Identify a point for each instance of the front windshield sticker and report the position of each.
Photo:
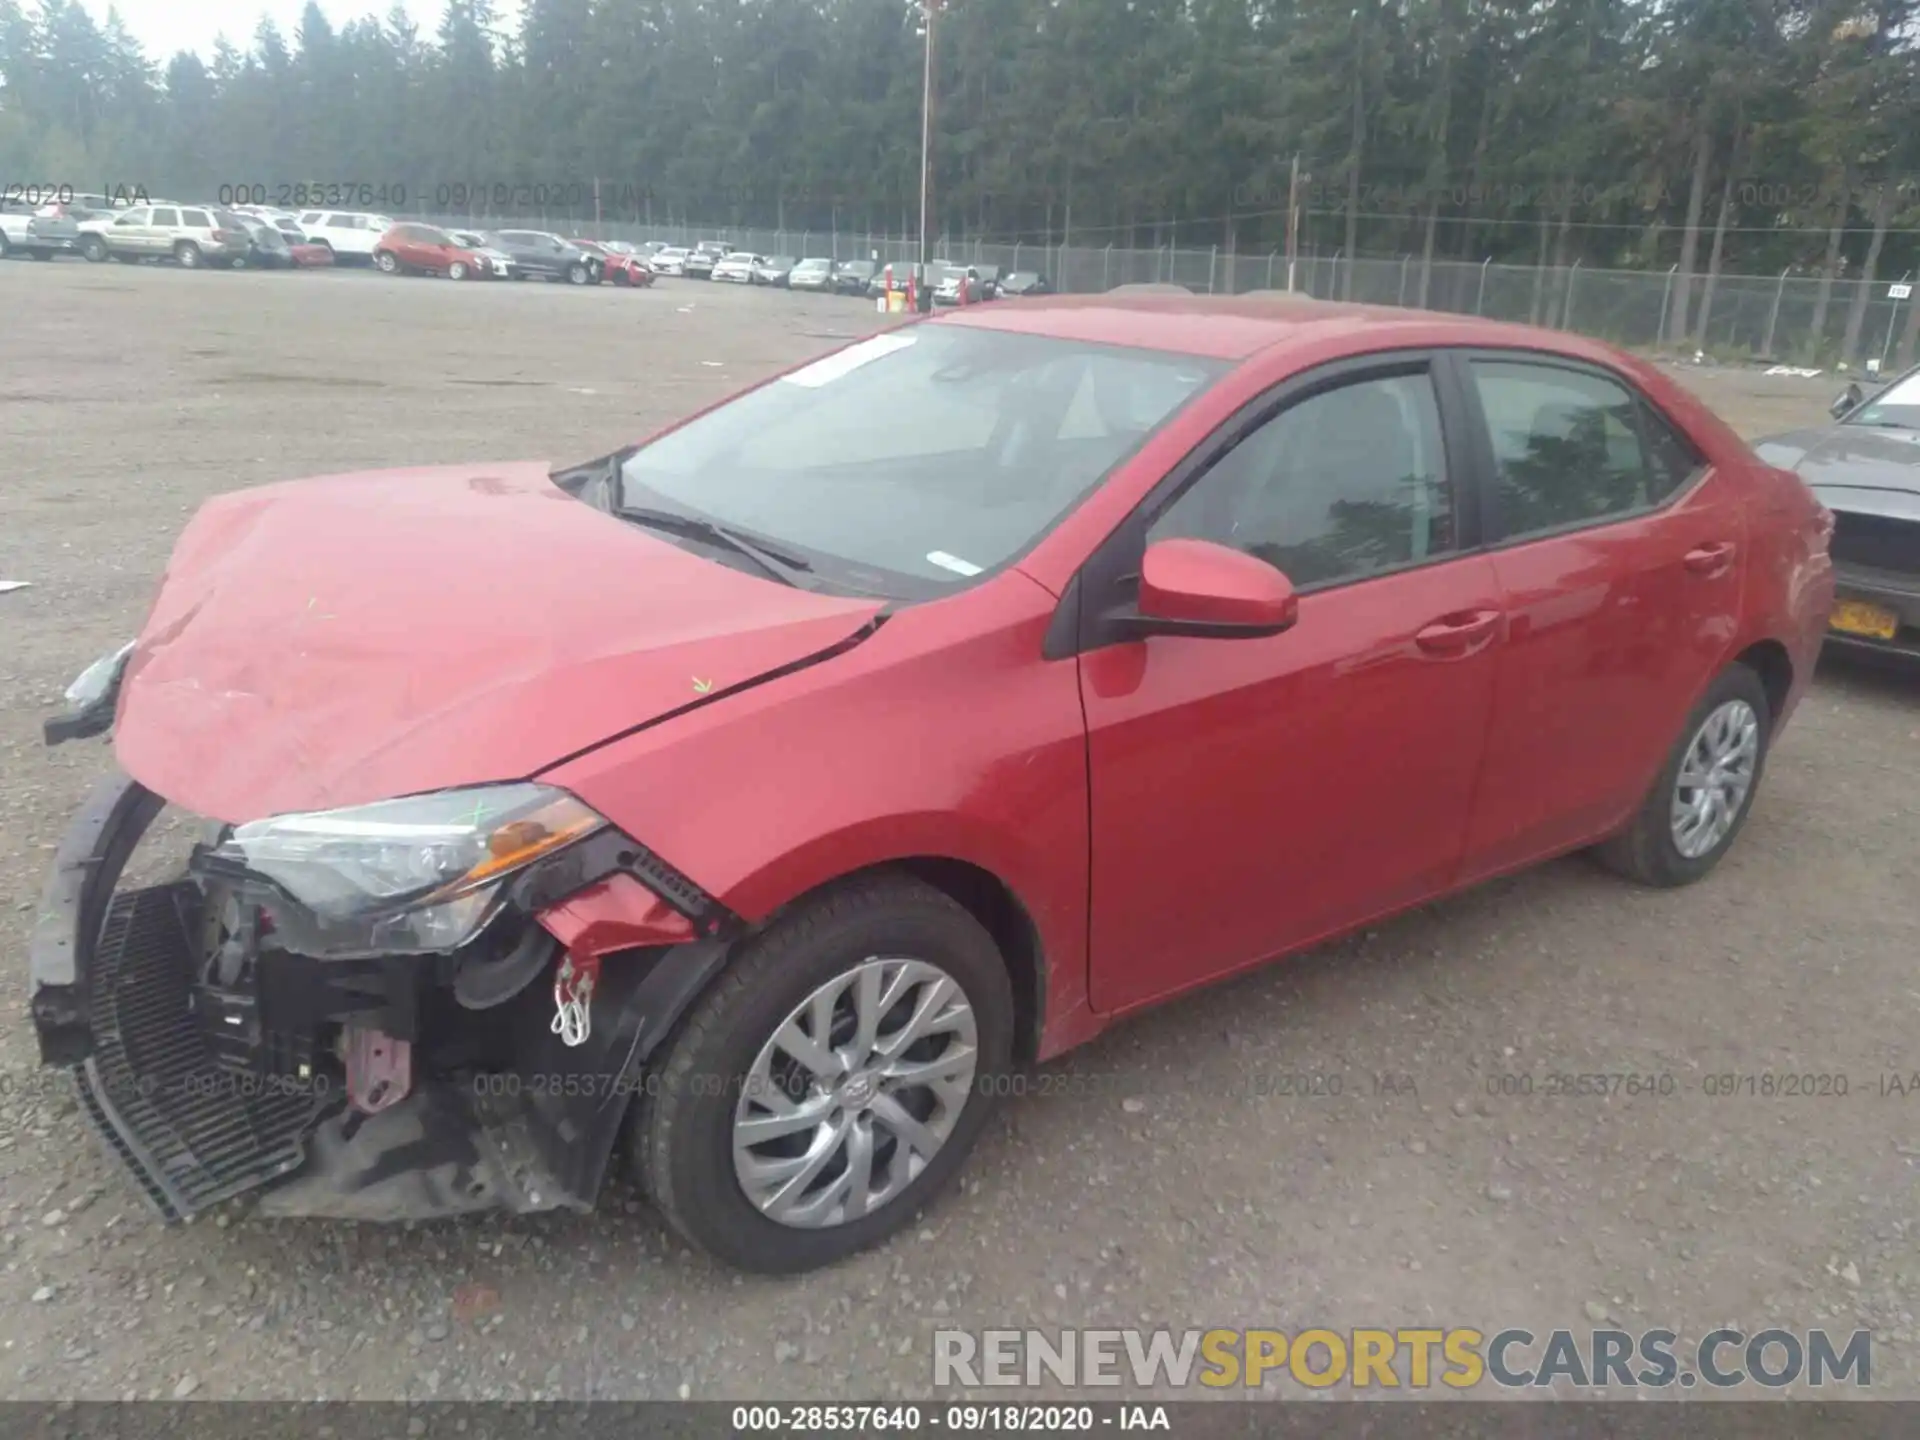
(952, 562)
(844, 362)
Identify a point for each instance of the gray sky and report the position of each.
(164, 26)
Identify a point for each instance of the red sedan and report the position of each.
(751, 804)
(415, 249)
(621, 265)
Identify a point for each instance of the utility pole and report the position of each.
(924, 294)
(1293, 220)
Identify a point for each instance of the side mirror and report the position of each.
(1198, 588)
(1849, 400)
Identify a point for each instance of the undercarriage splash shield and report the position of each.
(191, 1131)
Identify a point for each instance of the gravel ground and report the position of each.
(1161, 1177)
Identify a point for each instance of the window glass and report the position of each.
(921, 457)
(1341, 485)
(135, 217)
(1672, 459)
(1566, 446)
(196, 218)
(166, 217)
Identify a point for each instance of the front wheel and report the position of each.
(458, 270)
(577, 275)
(1704, 792)
(388, 262)
(831, 1081)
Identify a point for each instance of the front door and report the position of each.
(1252, 795)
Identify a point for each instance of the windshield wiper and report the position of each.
(780, 564)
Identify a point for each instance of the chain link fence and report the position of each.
(1778, 318)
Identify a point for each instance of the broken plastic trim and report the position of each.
(94, 696)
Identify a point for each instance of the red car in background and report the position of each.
(415, 249)
(620, 263)
(807, 781)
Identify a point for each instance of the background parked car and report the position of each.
(350, 234)
(25, 232)
(813, 273)
(415, 249)
(774, 270)
(1023, 282)
(738, 267)
(547, 256)
(903, 271)
(984, 284)
(703, 257)
(625, 265)
(267, 248)
(850, 277)
(670, 260)
(193, 235)
(498, 264)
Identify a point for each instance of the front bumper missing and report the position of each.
(115, 1000)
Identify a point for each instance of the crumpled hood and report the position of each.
(335, 641)
(1855, 468)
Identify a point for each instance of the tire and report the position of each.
(239, 262)
(388, 262)
(189, 255)
(457, 270)
(93, 248)
(1649, 849)
(577, 275)
(6, 246)
(682, 1140)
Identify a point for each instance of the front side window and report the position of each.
(912, 461)
(135, 217)
(1347, 483)
(1567, 447)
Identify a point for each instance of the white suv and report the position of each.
(350, 234)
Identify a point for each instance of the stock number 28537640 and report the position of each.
(300, 194)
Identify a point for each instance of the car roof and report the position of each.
(1235, 327)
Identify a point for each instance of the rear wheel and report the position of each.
(1704, 792)
(831, 1081)
(189, 255)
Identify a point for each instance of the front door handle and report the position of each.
(1458, 634)
(1710, 559)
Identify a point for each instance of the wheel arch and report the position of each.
(991, 901)
(1773, 663)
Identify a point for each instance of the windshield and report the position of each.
(1896, 407)
(814, 266)
(910, 462)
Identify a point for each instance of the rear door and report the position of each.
(1251, 795)
(1620, 554)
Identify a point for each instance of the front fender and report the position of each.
(945, 735)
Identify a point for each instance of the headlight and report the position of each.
(419, 875)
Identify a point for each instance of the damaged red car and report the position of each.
(748, 807)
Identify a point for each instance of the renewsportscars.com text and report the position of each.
(1458, 1358)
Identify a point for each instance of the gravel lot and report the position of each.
(1159, 1179)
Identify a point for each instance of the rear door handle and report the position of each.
(1710, 559)
(1457, 634)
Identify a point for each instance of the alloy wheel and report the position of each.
(1715, 778)
(855, 1092)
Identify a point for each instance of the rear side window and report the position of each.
(1672, 459)
(1567, 447)
(166, 217)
